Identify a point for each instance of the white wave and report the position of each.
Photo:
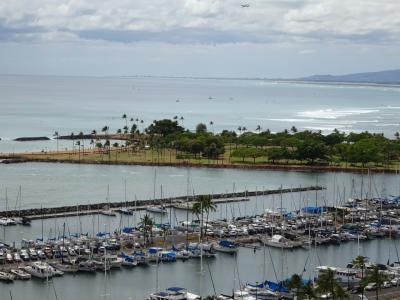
(334, 114)
(325, 128)
(286, 120)
(387, 125)
(176, 175)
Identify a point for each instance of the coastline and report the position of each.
(224, 165)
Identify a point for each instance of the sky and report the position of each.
(206, 38)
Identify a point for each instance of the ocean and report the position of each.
(39, 106)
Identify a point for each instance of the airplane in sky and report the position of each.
(245, 5)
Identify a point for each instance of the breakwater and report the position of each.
(51, 212)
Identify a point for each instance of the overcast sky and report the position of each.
(271, 38)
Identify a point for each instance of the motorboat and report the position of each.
(156, 209)
(39, 269)
(343, 275)
(20, 274)
(8, 277)
(278, 241)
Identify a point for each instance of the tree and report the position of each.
(213, 147)
(57, 136)
(212, 125)
(364, 151)
(326, 283)
(359, 262)
(293, 129)
(126, 120)
(301, 289)
(147, 224)
(203, 204)
(164, 127)
(375, 276)
(311, 149)
(201, 128)
(258, 128)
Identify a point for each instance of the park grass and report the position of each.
(172, 157)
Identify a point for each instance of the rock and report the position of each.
(33, 138)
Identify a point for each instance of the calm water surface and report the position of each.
(39, 106)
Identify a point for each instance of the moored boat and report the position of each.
(20, 274)
(226, 246)
(7, 277)
(40, 270)
(278, 241)
(174, 293)
(156, 209)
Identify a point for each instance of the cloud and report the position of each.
(200, 21)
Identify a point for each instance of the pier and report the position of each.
(180, 202)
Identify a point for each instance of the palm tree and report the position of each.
(181, 118)
(94, 133)
(258, 128)
(126, 119)
(375, 276)
(147, 223)
(301, 289)
(78, 143)
(73, 142)
(326, 283)
(359, 262)
(307, 291)
(119, 132)
(240, 130)
(295, 283)
(212, 125)
(105, 130)
(203, 205)
(57, 136)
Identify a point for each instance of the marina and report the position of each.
(249, 224)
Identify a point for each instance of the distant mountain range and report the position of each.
(381, 77)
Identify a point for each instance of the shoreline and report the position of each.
(186, 164)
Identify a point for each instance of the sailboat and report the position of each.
(159, 209)
(107, 211)
(22, 220)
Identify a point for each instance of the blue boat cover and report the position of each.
(276, 286)
(313, 209)
(260, 286)
(128, 229)
(227, 244)
(153, 250)
(102, 233)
